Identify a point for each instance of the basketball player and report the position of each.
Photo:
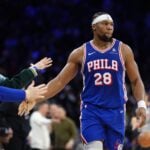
(103, 62)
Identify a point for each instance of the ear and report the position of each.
(93, 27)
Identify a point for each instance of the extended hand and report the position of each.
(141, 116)
(43, 63)
(26, 107)
(35, 92)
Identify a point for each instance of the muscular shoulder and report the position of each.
(76, 55)
(126, 52)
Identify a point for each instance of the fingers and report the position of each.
(37, 92)
(27, 112)
(32, 84)
(44, 63)
(41, 86)
(25, 108)
(48, 65)
(21, 113)
(47, 60)
(141, 116)
(30, 107)
(22, 108)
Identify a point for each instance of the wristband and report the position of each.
(141, 103)
(37, 70)
(34, 70)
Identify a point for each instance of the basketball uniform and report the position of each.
(103, 96)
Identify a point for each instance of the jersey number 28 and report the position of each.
(103, 79)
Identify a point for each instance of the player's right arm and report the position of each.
(67, 74)
(59, 82)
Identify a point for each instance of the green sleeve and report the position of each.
(20, 80)
(72, 129)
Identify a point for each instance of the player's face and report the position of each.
(104, 30)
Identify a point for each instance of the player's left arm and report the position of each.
(136, 82)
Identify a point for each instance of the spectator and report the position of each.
(39, 138)
(64, 131)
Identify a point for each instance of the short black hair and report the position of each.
(98, 14)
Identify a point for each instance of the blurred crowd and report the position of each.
(30, 30)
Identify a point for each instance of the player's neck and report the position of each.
(101, 44)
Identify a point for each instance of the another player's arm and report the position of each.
(18, 95)
(67, 74)
(22, 79)
(136, 82)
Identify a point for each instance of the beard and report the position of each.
(105, 38)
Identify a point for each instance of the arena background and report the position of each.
(33, 29)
